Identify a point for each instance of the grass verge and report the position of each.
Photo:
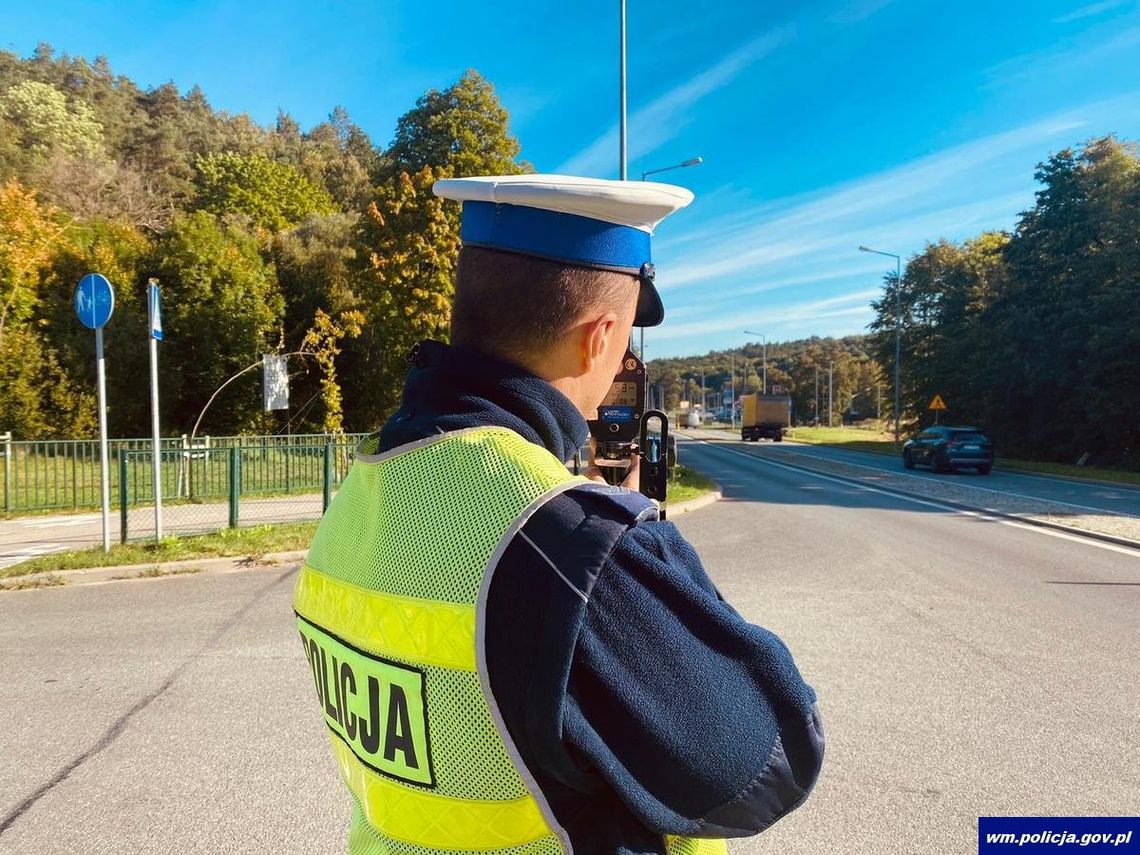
(258, 540)
(1095, 473)
(687, 484)
(40, 572)
(858, 439)
(853, 439)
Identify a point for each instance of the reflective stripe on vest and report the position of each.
(389, 607)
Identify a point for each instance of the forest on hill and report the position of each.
(807, 369)
(316, 242)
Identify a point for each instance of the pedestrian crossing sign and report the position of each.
(937, 403)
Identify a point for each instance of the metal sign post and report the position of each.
(94, 303)
(154, 320)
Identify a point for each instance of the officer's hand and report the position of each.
(632, 480)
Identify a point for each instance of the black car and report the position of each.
(945, 449)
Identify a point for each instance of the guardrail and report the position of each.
(44, 475)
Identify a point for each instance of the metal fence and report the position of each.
(230, 486)
(64, 474)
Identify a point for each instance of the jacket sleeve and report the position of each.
(699, 720)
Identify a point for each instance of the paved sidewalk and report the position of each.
(28, 537)
(214, 566)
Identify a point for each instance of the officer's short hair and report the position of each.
(516, 305)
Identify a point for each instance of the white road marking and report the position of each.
(971, 485)
(31, 552)
(1087, 541)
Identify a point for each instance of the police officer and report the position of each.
(512, 659)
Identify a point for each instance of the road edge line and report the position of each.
(948, 504)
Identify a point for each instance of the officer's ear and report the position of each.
(598, 339)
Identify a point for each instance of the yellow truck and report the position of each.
(765, 416)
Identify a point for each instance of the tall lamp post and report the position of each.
(692, 161)
(898, 325)
(621, 156)
(764, 382)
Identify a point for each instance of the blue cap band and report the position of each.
(554, 235)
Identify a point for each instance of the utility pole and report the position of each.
(817, 394)
(732, 388)
(830, 388)
(898, 326)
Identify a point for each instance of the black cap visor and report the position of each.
(650, 310)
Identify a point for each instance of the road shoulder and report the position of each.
(219, 566)
(1076, 519)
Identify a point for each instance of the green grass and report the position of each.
(228, 542)
(854, 439)
(688, 484)
(1095, 473)
(859, 439)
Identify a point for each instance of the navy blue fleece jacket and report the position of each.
(641, 702)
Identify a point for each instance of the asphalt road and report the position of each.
(964, 667)
(1120, 499)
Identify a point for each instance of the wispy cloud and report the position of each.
(855, 304)
(783, 241)
(844, 213)
(781, 261)
(860, 10)
(1053, 63)
(664, 118)
(1091, 10)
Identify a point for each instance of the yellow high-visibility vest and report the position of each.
(390, 606)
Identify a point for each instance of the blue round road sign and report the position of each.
(94, 300)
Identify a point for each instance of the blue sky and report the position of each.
(823, 125)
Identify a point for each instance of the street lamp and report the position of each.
(764, 385)
(692, 161)
(898, 325)
(855, 395)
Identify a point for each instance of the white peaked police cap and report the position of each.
(588, 222)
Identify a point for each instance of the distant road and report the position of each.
(1103, 497)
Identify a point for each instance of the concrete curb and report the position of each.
(685, 507)
(160, 570)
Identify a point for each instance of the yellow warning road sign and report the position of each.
(937, 403)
